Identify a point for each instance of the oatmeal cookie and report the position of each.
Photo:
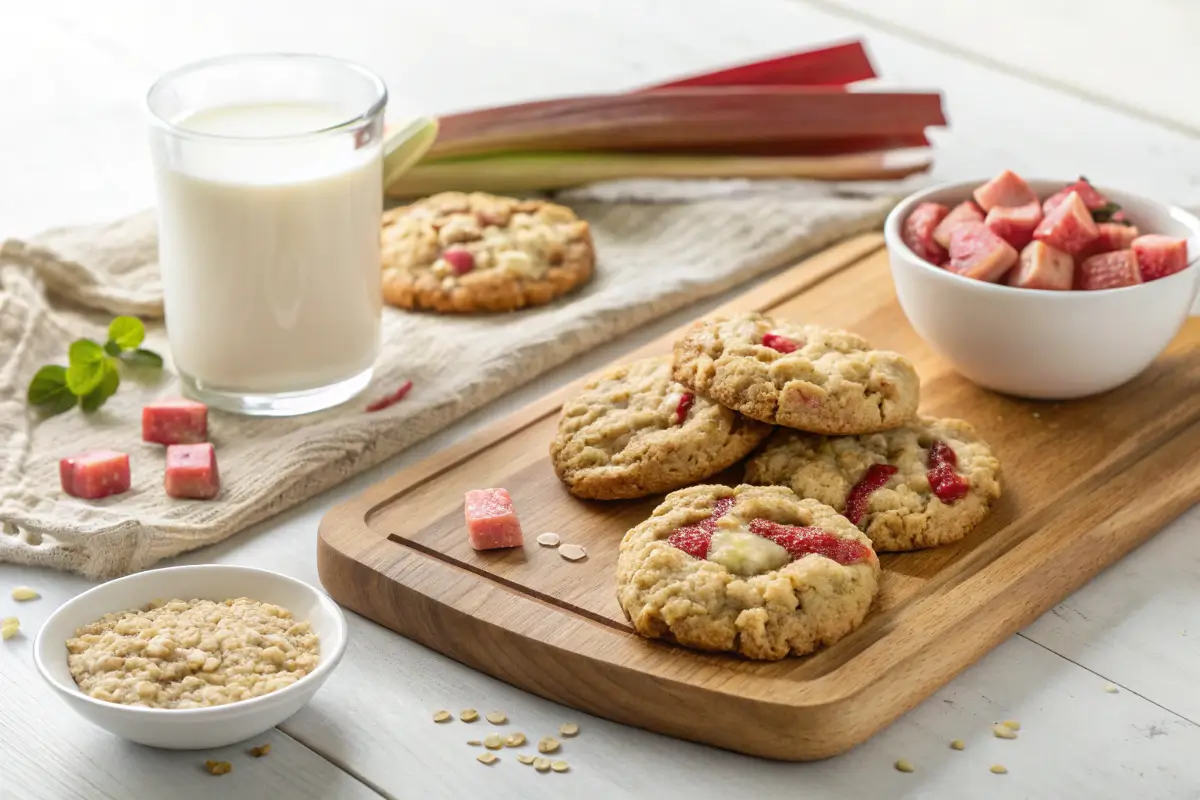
(922, 485)
(753, 570)
(633, 432)
(456, 252)
(799, 376)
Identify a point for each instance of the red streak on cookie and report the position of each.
(947, 484)
(391, 399)
(780, 343)
(685, 405)
(461, 261)
(800, 542)
(695, 539)
(856, 502)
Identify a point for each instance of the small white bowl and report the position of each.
(191, 728)
(1036, 343)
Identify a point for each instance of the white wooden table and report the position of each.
(72, 73)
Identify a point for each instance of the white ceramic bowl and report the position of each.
(191, 728)
(1036, 343)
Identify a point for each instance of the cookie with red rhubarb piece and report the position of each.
(753, 570)
(800, 376)
(456, 252)
(634, 431)
(923, 485)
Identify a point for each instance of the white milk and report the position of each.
(270, 250)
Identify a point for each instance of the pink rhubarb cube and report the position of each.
(491, 520)
(1159, 256)
(1091, 198)
(175, 421)
(978, 253)
(1111, 236)
(1109, 271)
(959, 215)
(918, 232)
(192, 471)
(1015, 224)
(1008, 189)
(95, 474)
(1069, 227)
(1043, 267)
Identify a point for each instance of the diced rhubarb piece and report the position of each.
(1069, 227)
(1159, 256)
(1015, 224)
(1043, 267)
(943, 475)
(805, 541)
(95, 474)
(918, 232)
(1006, 190)
(959, 215)
(175, 421)
(1092, 199)
(491, 520)
(876, 477)
(683, 407)
(978, 253)
(1109, 271)
(695, 539)
(192, 471)
(1111, 236)
(461, 261)
(781, 344)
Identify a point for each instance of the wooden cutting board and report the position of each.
(1084, 482)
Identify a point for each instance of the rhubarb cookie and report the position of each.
(634, 431)
(754, 570)
(456, 252)
(922, 485)
(800, 376)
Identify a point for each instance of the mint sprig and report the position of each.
(91, 375)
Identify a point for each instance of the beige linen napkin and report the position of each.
(661, 245)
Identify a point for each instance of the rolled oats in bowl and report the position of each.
(192, 653)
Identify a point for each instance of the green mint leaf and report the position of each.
(48, 389)
(1105, 213)
(143, 358)
(112, 348)
(104, 390)
(84, 352)
(126, 332)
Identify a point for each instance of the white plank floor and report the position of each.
(72, 74)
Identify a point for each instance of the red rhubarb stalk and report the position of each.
(391, 399)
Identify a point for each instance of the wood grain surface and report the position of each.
(399, 554)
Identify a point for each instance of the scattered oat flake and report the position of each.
(548, 744)
(568, 729)
(496, 717)
(442, 716)
(572, 552)
(1003, 732)
(515, 740)
(958, 744)
(468, 715)
(9, 627)
(525, 758)
(548, 539)
(493, 741)
(541, 764)
(1012, 724)
(999, 769)
(559, 766)
(474, 742)
(904, 765)
(22, 593)
(1111, 688)
(218, 767)
(260, 751)
(486, 758)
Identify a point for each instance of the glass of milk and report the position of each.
(270, 190)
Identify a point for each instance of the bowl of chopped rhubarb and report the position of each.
(1043, 289)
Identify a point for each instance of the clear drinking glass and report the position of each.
(270, 190)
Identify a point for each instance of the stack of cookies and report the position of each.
(840, 466)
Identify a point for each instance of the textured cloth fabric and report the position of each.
(660, 245)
